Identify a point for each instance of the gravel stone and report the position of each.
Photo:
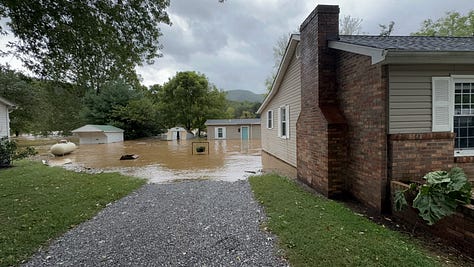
(191, 223)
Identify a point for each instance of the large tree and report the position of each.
(453, 24)
(86, 42)
(188, 100)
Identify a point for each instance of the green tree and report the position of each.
(453, 24)
(89, 42)
(242, 110)
(19, 89)
(99, 108)
(139, 118)
(60, 106)
(188, 100)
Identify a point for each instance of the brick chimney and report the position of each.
(321, 127)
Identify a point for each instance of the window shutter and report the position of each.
(223, 133)
(216, 133)
(443, 104)
(279, 122)
(287, 116)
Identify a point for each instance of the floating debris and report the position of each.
(129, 157)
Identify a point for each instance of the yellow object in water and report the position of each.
(62, 148)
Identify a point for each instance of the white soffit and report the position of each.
(376, 54)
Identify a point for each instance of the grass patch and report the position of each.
(315, 231)
(38, 203)
(23, 142)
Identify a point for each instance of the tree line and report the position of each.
(188, 100)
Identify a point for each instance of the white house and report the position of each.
(99, 134)
(5, 108)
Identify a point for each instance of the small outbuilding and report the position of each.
(243, 129)
(5, 108)
(178, 133)
(98, 134)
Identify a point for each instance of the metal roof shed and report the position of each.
(98, 134)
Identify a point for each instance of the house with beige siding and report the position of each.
(5, 108)
(240, 129)
(279, 113)
(352, 113)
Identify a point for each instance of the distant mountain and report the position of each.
(244, 95)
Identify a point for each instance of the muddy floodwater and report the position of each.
(167, 161)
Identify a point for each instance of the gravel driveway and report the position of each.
(199, 223)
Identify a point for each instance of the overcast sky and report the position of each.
(231, 43)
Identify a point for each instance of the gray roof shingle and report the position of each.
(412, 43)
(233, 122)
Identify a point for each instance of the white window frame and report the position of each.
(448, 126)
(284, 124)
(223, 131)
(270, 119)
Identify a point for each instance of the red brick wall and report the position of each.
(362, 92)
(457, 229)
(414, 155)
(320, 127)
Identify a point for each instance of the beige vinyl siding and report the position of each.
(289, 93)
(232, 131)
(410, 95)
(4, 121)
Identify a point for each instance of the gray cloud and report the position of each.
(231, 43)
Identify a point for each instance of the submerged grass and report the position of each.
(315, 231)
(38, 203)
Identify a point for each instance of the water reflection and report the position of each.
(164, 161)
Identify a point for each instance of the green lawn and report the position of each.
(38, 203)
(315, 231)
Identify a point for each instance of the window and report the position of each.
(284, 122)
(270, 119)
(464, 114)
(220, 133)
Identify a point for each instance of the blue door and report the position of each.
(245, 132)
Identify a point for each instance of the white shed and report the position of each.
(99, 134)
(5, 108)
(178, 133)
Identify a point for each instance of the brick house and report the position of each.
(376, 109)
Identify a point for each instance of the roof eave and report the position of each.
(284, 64)
(429, 57)
(387, 56)
(9, 104)
(376, 54)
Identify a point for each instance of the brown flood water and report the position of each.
(167, 161)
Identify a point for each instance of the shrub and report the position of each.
(439, 196)
(8, 152)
